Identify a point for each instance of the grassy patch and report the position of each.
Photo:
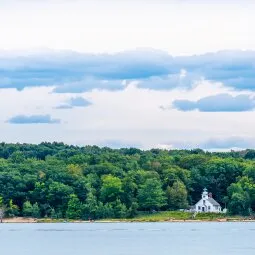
(177, 215)
(163, 216)
(166, 216)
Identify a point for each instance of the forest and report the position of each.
(63, 181)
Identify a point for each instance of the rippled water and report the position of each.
(128, 239)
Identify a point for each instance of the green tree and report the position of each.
(105, 211)
(177, 196)
(1, 201)
(151, 196)
(58, 195)
(12, 209)
(239, 200)
(27, 209)
(36, 213)
(120, 210)
(53, 214)
(132, 211)
(100, 211)
(129, 190)
(109, 211)
(111, 188)
(248, 186)
(90, 207)
(74, 208)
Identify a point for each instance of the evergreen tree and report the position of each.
(239, 200)
(101, 211)
(36, 213)
(27, 209)
(90, 207)
(177, 196)
(53, 214)
(132, 211)
(109, 211)
(74, 208)
(151, 196)
(120, 210)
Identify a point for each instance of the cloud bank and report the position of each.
(33, 119)
(217, 103)
(238, 142)
(74, 102)
(71, 72)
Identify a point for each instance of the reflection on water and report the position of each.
(128, 239)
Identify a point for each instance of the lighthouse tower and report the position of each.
(205, 194)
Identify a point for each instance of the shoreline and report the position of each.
(48, 220)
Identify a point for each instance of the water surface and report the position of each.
(128, 239)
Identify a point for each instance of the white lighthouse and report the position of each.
(207, 203)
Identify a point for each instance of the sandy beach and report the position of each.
(20, 220)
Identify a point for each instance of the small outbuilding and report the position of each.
(207, 203)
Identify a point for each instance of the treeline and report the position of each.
(60, 181)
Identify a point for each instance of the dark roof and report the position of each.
(212, 201)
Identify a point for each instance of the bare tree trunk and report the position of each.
(1, 214)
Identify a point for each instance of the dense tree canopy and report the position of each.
(57, 180)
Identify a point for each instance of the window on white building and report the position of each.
(209, 208)
(199, 208)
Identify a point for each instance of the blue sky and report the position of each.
(166, 74)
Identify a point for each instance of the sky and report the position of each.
(176, 74)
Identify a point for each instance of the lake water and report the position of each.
(128, 239)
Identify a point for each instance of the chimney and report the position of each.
(210, 195)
